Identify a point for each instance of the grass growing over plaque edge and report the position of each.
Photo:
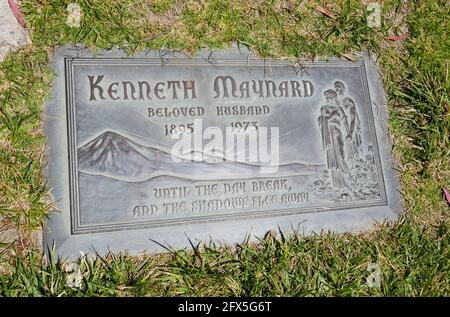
(412, 254)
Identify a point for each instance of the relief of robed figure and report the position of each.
(352, 124)
(332, 124)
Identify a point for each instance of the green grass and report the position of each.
(413, 254)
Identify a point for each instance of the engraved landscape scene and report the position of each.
(324, 155)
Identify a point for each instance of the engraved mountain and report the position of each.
(115, 156)
(111, 154)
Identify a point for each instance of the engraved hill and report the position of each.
(115, 156)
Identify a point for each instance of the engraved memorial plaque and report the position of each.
(165, 147)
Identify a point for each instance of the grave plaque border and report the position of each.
(70, 237)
